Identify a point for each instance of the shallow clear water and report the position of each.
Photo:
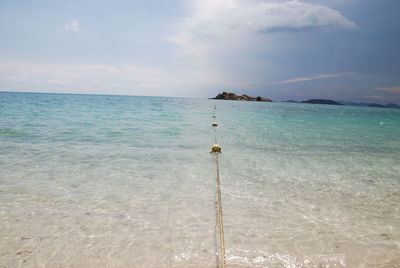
(118, 181)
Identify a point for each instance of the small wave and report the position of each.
(12, 133)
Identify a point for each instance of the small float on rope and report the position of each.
(216, 148)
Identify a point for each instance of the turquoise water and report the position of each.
(119, 181)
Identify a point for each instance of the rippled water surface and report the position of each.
(118, 181)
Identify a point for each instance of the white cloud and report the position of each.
(395, 89)
(128, 79)
(85, 78)
(293, 15)
(210, 20)
(308, 78)
(228, 41)
(56, 82)
(375, 97)
(72, 26)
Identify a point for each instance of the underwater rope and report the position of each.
(216, 150)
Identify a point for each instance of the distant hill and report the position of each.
(346, 103)
(376, 105)
(322, 101)
(392, 105)
(243, 97)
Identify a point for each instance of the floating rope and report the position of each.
(216, 150)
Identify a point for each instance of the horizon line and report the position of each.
(127, 95)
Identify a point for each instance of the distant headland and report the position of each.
(346, 103)
(242, 97)
(322, 101)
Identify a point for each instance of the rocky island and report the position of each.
(242, 97)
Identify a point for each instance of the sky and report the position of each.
(284, 50)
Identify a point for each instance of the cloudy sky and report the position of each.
(338, 49)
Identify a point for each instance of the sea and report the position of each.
(128, 181)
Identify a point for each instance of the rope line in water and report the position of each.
(222, 263)
(216, 150)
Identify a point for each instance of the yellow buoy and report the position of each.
(216, 148)
(214, 124)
